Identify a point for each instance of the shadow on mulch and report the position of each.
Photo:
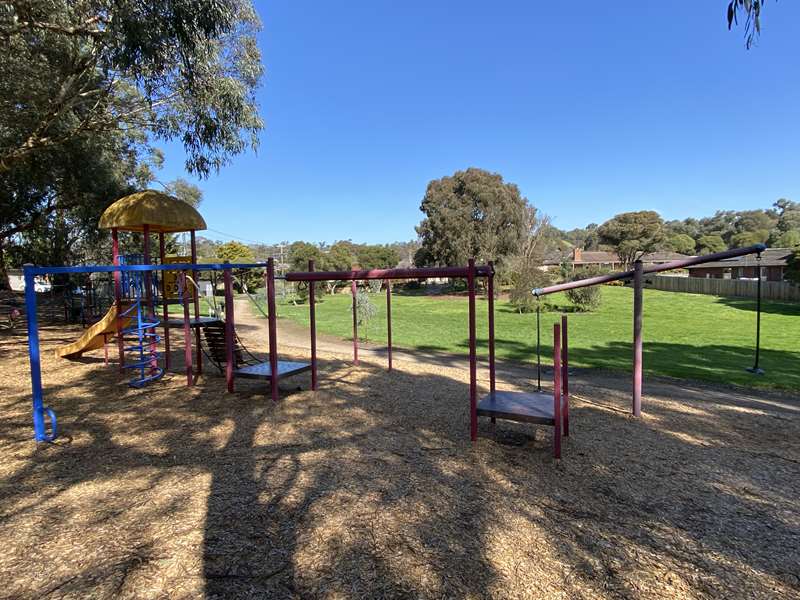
(371, 488)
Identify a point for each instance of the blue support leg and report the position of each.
(39, 409)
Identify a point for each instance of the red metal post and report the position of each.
(162, 255)
(490, 291)
(556, 391)
(187, 333)
(195, 291)
(228, 282)
(389, 321)
(118, 297)
(473, 367)
(273, 329)
(565, 373)
(353, 292)
(637, 337)
(312, 318)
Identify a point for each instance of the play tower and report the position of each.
(153, 212)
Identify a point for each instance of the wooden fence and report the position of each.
(770, 290)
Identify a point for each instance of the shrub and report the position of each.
(365, 311)
(522, 283)
(585, 299)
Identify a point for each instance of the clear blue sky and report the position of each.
(592, 108)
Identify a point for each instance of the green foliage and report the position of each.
(87, 86)
(708, 244)
(471, 214)
(185, 69)
(236, 252)
(750, 11)
(749, 238)
(585, 299)
(789, 239)
(377, 256)
(793, 267)
(365, 312)
(301, 252)
(683, 243)
(523, 270)
(633, 234)
(522, 282)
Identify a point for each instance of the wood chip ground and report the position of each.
(370, 487)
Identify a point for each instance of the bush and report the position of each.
(585, 299)
(365, 311)
(522, 283)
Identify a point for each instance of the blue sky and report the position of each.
(592, 108)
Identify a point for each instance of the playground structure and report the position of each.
(637, 276)
(140, 286)
(527, 407)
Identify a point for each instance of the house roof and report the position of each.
(594, 257)
(771, 257)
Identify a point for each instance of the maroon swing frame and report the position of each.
(470, 273)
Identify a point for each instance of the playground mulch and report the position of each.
(370, 488)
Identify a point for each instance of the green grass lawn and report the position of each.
(689, 336)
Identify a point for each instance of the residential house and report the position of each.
(772, 265)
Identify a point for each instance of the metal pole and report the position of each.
(196, 295)
(273, 329)
(39, 410)
(118, 297)
(473, 369)
(538, 346)
(490, 290)
(638, 299)
(353, 292)
(312, 317)
(162, 255)
(755, 369)
(187, 333)
(389, 320)
(228, 283)
(556, 391)
(565, 373)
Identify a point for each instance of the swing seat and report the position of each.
(286, 368)
(538, 407)
(527, 407)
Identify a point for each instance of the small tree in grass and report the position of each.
(585, 299)
(365, 311)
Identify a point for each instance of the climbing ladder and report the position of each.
(141, 339)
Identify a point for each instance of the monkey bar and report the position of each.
(470, 273)
(637, 275)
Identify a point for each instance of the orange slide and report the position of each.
(92, 338)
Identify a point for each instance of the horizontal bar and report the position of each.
(422, 273)
(33, 270)
(675, 264)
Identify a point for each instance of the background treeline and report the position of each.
(778, 226)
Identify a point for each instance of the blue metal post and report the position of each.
(39, 409)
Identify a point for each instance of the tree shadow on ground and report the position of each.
(773, 307)
(371, 488)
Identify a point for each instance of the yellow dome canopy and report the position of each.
(162, 212)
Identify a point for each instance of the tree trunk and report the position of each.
(5, 283)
